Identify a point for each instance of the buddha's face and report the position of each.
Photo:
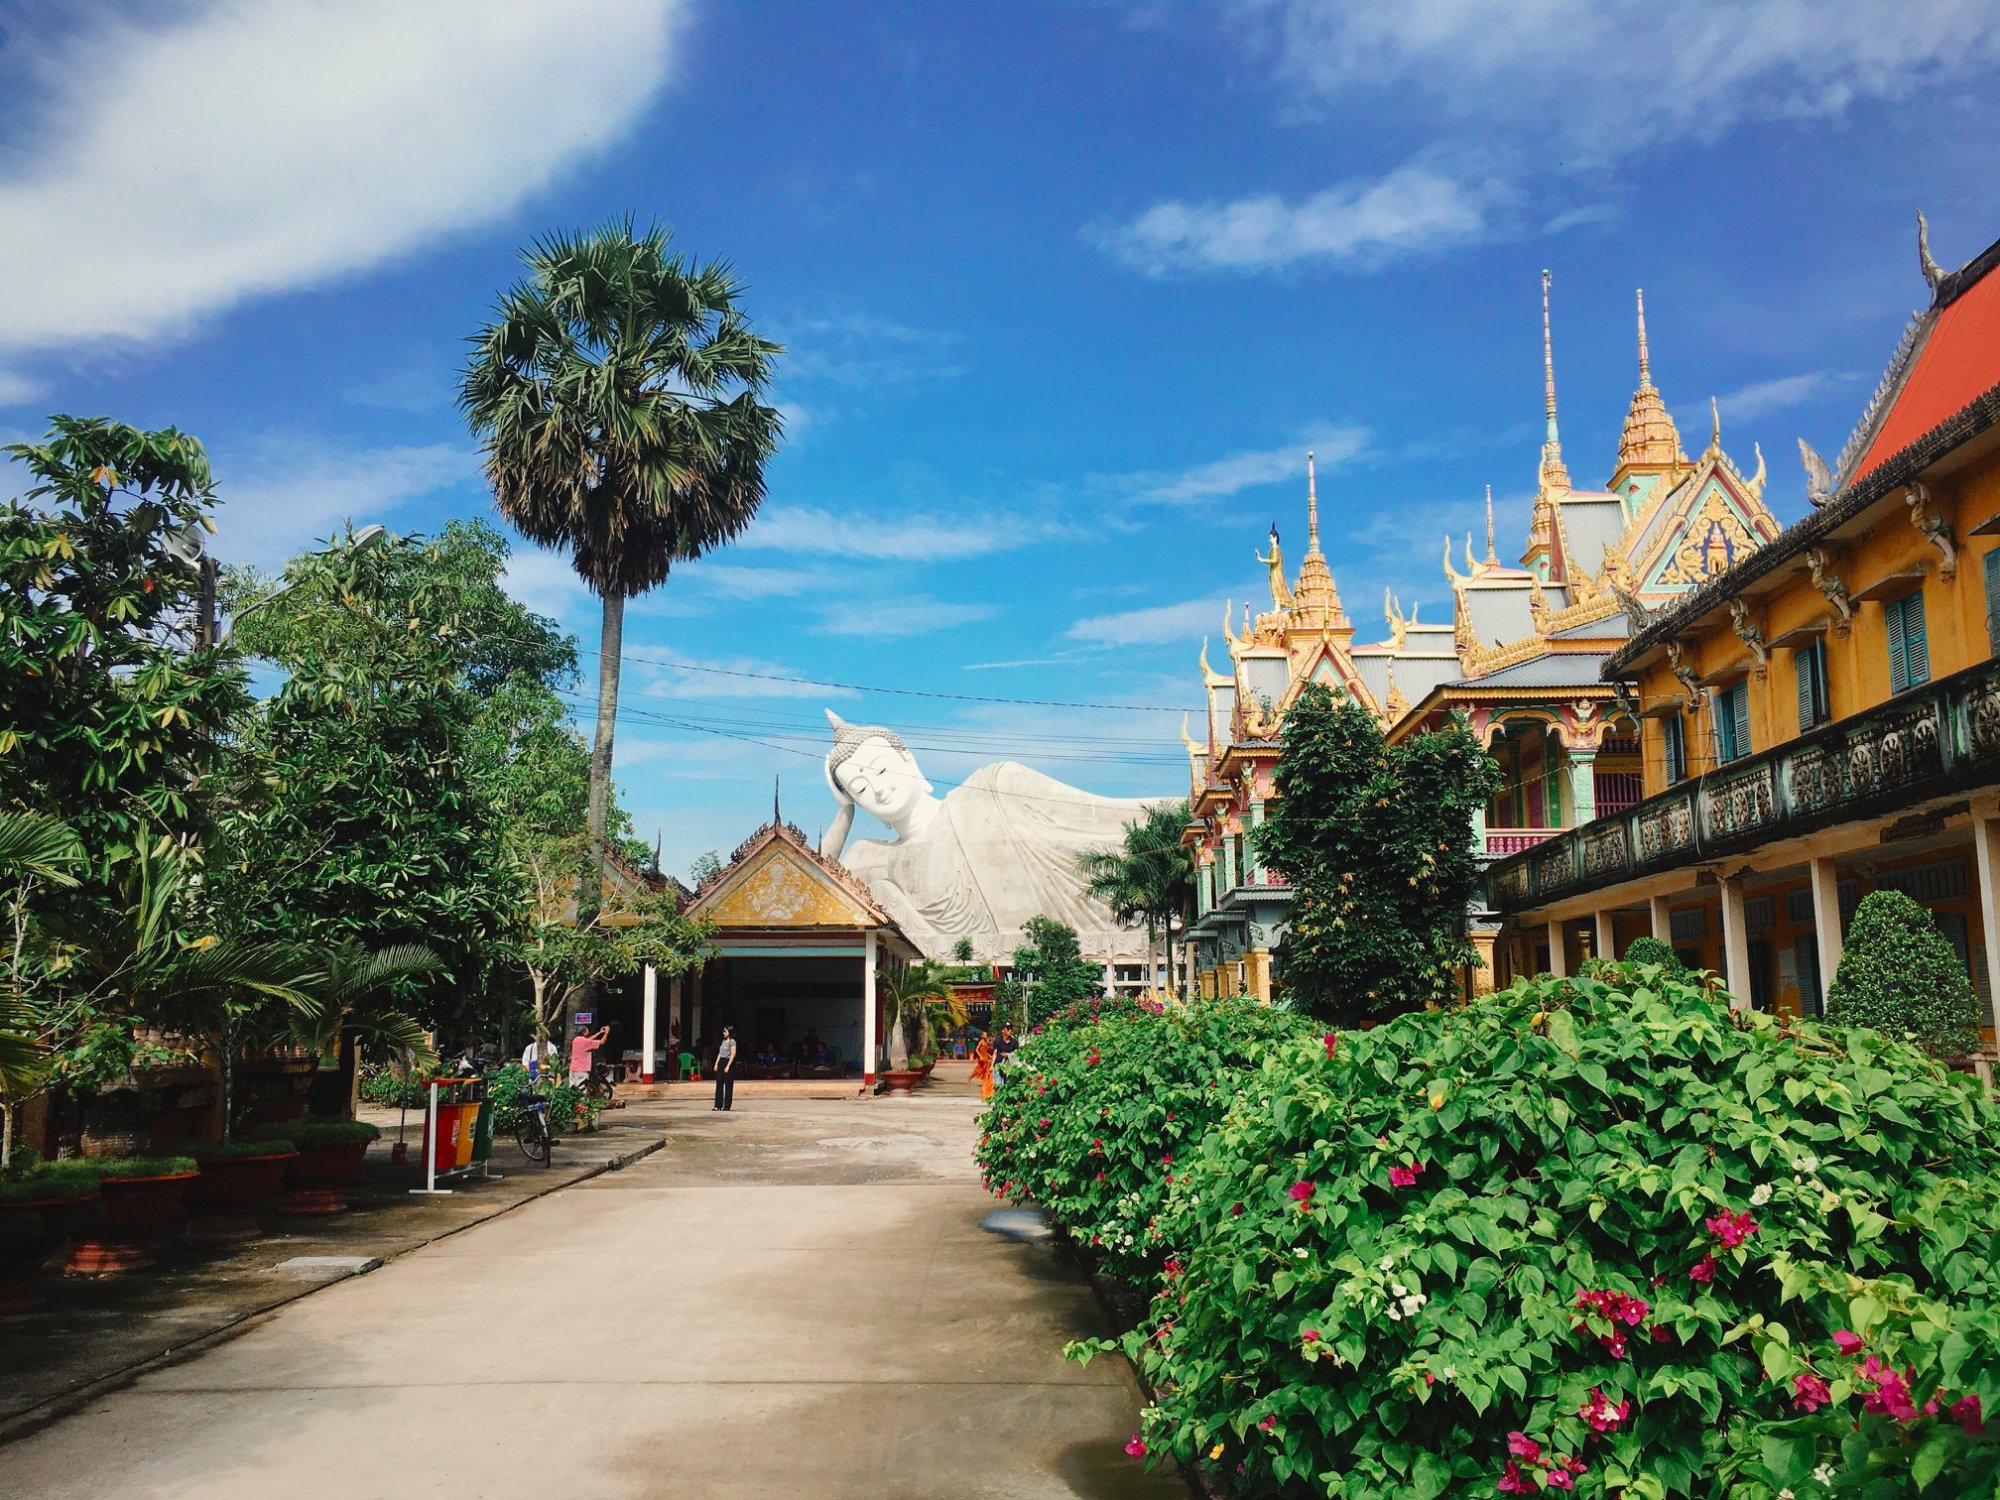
(883, 780)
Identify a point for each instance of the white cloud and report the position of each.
(914, 538)
(1598, 78)
(284, 493)
(1762, 397)
(1219, 478)
(253, 148)
(1411, 211)
(862, 350)
(546, 583)
(900, 615)
(729, 677)
(17, 389)
(1156, 625)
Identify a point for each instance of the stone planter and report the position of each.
(31, 1231)
(901, 1080)
(134, 1210)
(316, 1181)
(223, 1201)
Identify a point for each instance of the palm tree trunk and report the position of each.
(590, 892)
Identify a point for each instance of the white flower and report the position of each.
(1786, 1493)
(1411, 1303)
(1397, 1289)
(1824, 1474)
(1806, 1163)
(1301, 1254)
(1388, 1263)
(1395, 1315)
(1449, 1372)
(1761, 1195)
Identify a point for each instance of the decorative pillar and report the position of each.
(1986, 845)
(1558, 959)
(1479, 829)
(868, 1042)
(1825, 881)
(1663, 920)
(1735, 943)
(649, 1030)
(1605, 942)
(678, 1040)
(1583, 785)
(1485, 978)
(1110, 977)
(1256, 859)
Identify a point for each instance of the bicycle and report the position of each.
(599, 1087)
(531, 1131)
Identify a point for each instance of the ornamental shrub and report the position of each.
(1899, 975)
(1095, 1118)
(511, 1087)
(314, 1132)
(1094, 1009)
(1577, 1236)
(1650, 950)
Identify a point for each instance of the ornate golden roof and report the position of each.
(1315, 600)
(1650, 439)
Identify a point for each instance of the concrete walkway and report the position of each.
(797, 1299)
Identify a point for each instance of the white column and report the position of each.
(1663, 920)
(868, 1042)
(1110, 978)
(1558, 959)
(649, 1031)
(1607, 936)
(1735, 943)
(1825, 882)
(1986, 845)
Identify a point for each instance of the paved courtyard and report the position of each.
(798, 1299)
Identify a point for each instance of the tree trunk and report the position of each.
(590, 891)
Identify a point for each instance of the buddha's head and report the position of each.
(872, 768)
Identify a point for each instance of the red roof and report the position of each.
(1958, 363)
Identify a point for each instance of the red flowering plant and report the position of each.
(1097, 1119)
(1491, 1287)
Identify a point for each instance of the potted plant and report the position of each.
(330, 1152)
(237, 1178)
(39, 1210)
(139, 1195)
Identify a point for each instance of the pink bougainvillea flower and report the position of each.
(1236, 1209)
(1558, 1479)
(1614, 1343)
(1270, 1424)
(1967, 1413)
(1522, 1446)
(1731, 1230)
(1511, 1482)
(1041, 1124)
(1601, 1414)
(1311, 1335)
(1809, 1392)
(1704, 1269)
(1404, 1176)
(1846, 1343)
(1302, 1193)
(1167, 1160)
(1332, 1041)
(1135, 1446)
(1171, 1268)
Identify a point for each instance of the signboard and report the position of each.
(584, 1018)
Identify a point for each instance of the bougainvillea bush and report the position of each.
(1095, 1117)
(1584, 1237)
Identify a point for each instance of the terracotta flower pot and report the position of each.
(31, 1231)
(314, 1183)
(224, 1200)
(901, 1080)
(134, 1210)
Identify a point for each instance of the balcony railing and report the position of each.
(1502, 841)
(1927, 742)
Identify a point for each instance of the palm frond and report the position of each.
(39, 847)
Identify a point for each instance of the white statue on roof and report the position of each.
(979, 861)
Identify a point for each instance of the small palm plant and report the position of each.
(907, 1003)
(35, 851)
(355, 997)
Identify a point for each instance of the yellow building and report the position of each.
(1821, 719)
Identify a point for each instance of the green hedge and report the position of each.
(230, 1150)
(137, 1166)
(55, 1179)
(1098, 1116)
(1440, 1257)
(314, 1132)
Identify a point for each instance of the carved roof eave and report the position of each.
(1887, 389)
(794, 837)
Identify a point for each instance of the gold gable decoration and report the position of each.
(780, 888)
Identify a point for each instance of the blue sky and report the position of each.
(1068, 290)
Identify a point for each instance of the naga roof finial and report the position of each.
(1715, 429)
(1819, 477)
(1933, 272)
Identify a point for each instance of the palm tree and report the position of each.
(353, 998)
(1150, 879)
(907, 1001)
(615, 397)
(34, 850)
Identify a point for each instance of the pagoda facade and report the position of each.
(1520, 660)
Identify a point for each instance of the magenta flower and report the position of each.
(1704, 1269)
(1558, 1479)
(1601, 1414)
(1809, 1392)
(1847, 1343)
(1511, 1482)
(1270, 1424)
(1522, 1446)
(1731, 1229)
(1302, 1194)
(1135, 1446)
(1332, 1041)
(1967, 1413)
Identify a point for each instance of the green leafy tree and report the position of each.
(1899, 975)
(707, 865)
(1650, 950)
(113, 702)
(36, 853)
(1149, 880)
(616, 400)
(1050, 971)
(361, 811)
(1376, 840)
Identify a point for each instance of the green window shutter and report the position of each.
(1802, 668)
(1916, 649)
(1991, 562)
(1899, 662)
(1740, 718)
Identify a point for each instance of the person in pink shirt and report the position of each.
(580, 1050)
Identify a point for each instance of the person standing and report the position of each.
(982, 1066)
(725, 1070)
(581, 1050)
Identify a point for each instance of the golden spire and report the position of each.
(1492, 557)
(1650, 440)
(1315, 600)
(1555, 478)
(1312, 505)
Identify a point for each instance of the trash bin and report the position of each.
(441, 1142)
(468, 1128)
(482, 1132)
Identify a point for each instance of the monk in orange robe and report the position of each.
(982, 1066)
